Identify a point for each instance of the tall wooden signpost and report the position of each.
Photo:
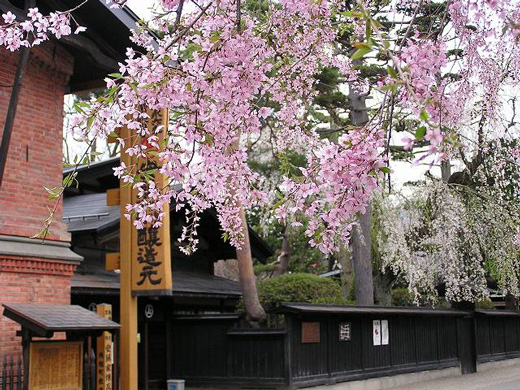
(104, 379)
(144, 259)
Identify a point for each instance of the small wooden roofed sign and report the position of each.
(55, 364)
(45, 319)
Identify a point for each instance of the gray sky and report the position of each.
(141, 7)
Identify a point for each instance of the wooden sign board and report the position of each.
(104, 352)
(345, 330)
(151, 262)
(310, 332)
(384, 333)
(56, 365)
(151, 252)
(376, 332)
(380, 332)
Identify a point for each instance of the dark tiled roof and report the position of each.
(89, 213)
(92, 178)
(97, 51)
(195, 283)
(498, 313)
(376, 310)
(45, 319)
(92, 276)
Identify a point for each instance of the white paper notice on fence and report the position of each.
(384, 332)
(376, 332)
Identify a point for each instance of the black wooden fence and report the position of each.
(214, 351)
(322, 344)
(416, 340)
(497, 335)
(209, 350)
(11, 374)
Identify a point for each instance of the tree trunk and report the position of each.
(361, 235)
(347, 278)
(383, 288)
(285, 254)
(254, 311)
(511, 302)
(445, 170)
(362, 259)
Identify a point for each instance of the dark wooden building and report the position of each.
(94, 228)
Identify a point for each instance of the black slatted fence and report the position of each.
(312, 348)
(497, 335)
(414, 342)
(11, 374)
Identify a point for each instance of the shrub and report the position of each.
(299, 287)
(484, 303)
(402, 297)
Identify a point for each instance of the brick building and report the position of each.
(30, 271)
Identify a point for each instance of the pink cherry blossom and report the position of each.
(9, 17)
(434, 136)
(218, 79)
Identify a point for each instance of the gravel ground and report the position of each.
(503, 378)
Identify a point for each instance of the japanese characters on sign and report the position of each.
(380, 332)
(56, 365)
(148, 243)
(344, 331)
(104, 352)
(384, 332)
(151, 252)
(376, 332)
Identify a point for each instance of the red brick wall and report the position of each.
(35, 152)
(34, 161)
(29, 280)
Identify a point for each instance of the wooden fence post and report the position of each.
(19, 374)
(288, 350)
(467, 341)
(93, 376)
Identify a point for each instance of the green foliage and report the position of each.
(372, 72)
(484, 303)
(329, 97)
(352, 292)
(257, 8)
(328, 79)
(303, 288)
(334, 99)
(264, 268)
(402, 297)
(304, 258)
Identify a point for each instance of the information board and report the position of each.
(384, 332)
(56, 365)
(310, 332)
(345, 329)
(376, 332)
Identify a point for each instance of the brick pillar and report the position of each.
(30, 271)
